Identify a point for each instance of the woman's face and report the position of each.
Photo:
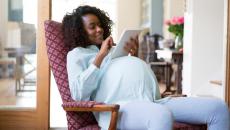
(93, 28)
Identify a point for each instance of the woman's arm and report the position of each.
(104, 50)
(83, 77)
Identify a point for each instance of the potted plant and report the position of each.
(176, 26)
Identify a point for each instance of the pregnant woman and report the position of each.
(127, 81)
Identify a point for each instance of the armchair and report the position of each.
(79, 113)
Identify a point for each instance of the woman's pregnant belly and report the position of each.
(126, 79)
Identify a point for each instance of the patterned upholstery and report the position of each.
(57, 52)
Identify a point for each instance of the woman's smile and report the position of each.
(93, 28)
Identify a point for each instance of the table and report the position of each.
(176, 58)
(167, 71)
(20, 74)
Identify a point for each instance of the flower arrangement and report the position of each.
(176, 26)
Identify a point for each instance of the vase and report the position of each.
(178, 42)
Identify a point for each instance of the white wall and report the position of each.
(128, 15)
(172, 8)
(57, 114)
(13, 35)
(203, 48)
(3, 22)
(30, 11)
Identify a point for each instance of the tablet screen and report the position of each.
(125, 37)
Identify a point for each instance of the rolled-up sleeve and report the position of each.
(83, 78)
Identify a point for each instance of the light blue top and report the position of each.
(117, 81)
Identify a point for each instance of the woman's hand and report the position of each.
(106, 46)
(104, 50)
(132, 46)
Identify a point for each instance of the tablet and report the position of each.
(119, 51)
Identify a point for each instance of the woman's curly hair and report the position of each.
(73, 28)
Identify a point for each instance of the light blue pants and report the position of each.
(155, 116)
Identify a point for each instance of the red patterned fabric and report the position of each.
(57, 52)
(90, 127)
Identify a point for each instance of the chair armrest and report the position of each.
(80, 104)
(91, 106)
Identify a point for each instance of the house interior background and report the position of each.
(204, 46)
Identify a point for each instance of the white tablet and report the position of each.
(119, 51)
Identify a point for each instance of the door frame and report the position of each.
(227, 83)
(38, 118)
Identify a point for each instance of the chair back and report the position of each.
(57, 53)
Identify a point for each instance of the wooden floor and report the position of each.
(9, 98)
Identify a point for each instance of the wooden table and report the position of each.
(167, 75)
(176, 58)
(20, 74)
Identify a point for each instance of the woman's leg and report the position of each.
(210, 111)
(145, 116)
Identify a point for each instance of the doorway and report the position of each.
(26, 116)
